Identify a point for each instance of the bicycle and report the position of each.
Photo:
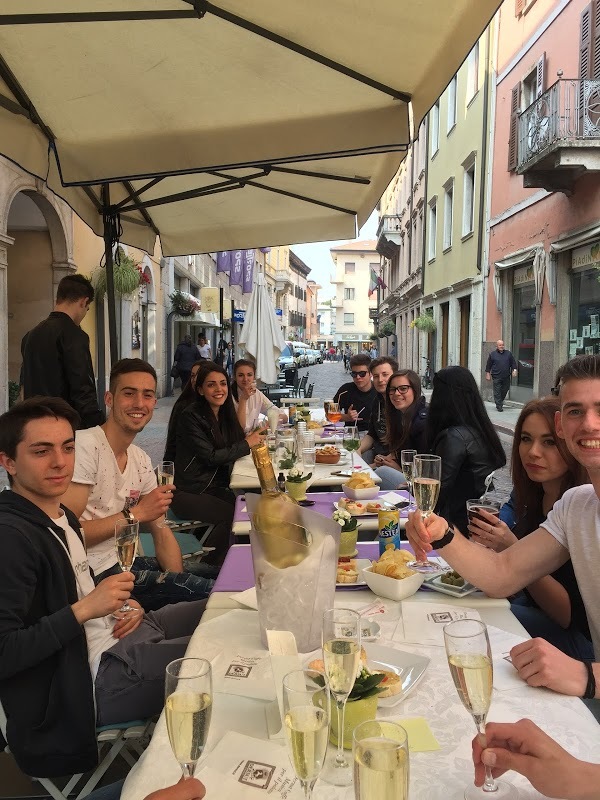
(427, 375)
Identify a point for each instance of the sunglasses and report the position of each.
(398, 389)
(359, 374)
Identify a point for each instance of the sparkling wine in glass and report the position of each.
(126, 542)
(351, 441)
(381, 766)
(426, 479)
(306, 709)
(470, 660)
(407, 462)
(165, 474)
(188, 707)
(341, 657)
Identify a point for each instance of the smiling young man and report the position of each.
(66, 663)
(572, 529)
(358, 397)
(114, 480)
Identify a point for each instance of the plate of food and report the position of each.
(349, 573)
(358, 509)
(401, 671)
(450, 583)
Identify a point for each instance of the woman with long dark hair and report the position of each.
(209, 440)
(187, 396)
(542, 470)
(460, 431)
(405, 417)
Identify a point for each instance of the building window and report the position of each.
(473, 73)
(584, 326)
(448, 213)
(348, 319)
(469, 200)
(349, 268)
(451, 105)
(431, 239)
(435, 128)
(348, 294)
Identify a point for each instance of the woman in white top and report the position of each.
(249, 402)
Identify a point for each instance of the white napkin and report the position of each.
(244, 669)
(423, 623)
(506, 676)
(246, 598)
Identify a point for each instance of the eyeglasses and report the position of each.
(399, 389)
(359, 374)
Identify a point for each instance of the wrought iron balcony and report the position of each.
(388, 235)
(559, 135)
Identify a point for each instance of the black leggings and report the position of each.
(216, 509)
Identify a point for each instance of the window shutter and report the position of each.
(519, 7)
(515, 105)
(540, 75)
(595, 65)
(585, 41)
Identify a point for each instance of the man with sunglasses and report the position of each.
(373, 443)
(357, 398)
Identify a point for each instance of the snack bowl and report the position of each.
(326, 458)
(370, 493)
(392, 588)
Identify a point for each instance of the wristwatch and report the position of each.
(128, 515)
(446, 539)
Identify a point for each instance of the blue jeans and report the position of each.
(111, 792)
(155, 589)
(390, 478)
(537, 623)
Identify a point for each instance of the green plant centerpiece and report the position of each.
(127, 275)
(424, 322)
(288, 459)
(349, 533)
(295, 483)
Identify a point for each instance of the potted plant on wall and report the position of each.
(424, 322)
(183, 304)
(387, 329)
(127, 274)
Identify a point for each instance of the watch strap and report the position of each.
(446, 539)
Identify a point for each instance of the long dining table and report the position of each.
(438, 771)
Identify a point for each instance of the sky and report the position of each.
(316, 255)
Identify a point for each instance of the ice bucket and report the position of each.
(295, 579)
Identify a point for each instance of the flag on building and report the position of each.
(248, 275)
(223, 261)
(237, 268)
(375, 282)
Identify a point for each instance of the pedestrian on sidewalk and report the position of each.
(500, 365)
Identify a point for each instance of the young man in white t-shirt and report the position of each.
(204, 348)
(114, 480)
(571, 530)
(67, 664)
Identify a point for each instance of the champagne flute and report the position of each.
(381, 766)
(470, 661)
(341, 657)
(407, 462)
(426, 479)
(165, 473)
(351, 441)
(306, 709)
(188, 707)
(126, 542)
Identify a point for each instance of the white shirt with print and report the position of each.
(257, 404)
(112, 490)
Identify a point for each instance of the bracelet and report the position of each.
(590, 689)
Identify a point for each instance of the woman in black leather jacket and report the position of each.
(209, 440)
(459, 430)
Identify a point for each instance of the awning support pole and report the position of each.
(110, 224)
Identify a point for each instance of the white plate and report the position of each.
(366, 513)
(446, 588)
(409, 666)
(361, 563)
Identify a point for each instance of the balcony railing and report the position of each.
(389, 223)
(568, 112)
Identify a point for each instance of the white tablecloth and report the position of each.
(439, 775)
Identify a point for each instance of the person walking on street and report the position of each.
(500, 366)
(204, 348)
(186, 355)
(56, 353)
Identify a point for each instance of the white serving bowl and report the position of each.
(392, 588)
(360, 494)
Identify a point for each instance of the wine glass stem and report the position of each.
(489, 784)
(352, 458)
(307, 787)
(340, 759)
(187, 768)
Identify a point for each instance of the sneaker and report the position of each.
(499, 409)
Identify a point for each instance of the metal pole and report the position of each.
(110, 278)
(169, 354)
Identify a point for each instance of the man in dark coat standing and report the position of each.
(56, 353)
(186, 356)
(500, 365)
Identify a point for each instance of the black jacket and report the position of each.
(57, 363)
(466, 462)
(500, 364)
(417, 438)
(45, 680)
(200, 463)
(186, 356)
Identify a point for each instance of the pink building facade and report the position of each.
(542, 292)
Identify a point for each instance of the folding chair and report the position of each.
(127, 739)
(185, 531)
(309, 392)
(302, 386)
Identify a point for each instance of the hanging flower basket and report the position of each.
(424, 322)
(126, 274)
(183, 304)
(387, 329)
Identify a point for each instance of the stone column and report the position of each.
(5, 243)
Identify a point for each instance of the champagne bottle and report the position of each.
(278, 519)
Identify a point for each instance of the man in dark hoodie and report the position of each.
(61, 648)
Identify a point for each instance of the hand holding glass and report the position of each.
(188, 707)
(427, 474)
(470, 661)
(126, 542)
(306, 710)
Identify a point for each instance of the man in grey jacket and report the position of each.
(500, 366)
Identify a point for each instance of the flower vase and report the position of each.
(357, 711)
(296, 489)
(348, 539)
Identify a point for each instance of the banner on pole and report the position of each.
(237, 268)
(223, 261)
(248, 271)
